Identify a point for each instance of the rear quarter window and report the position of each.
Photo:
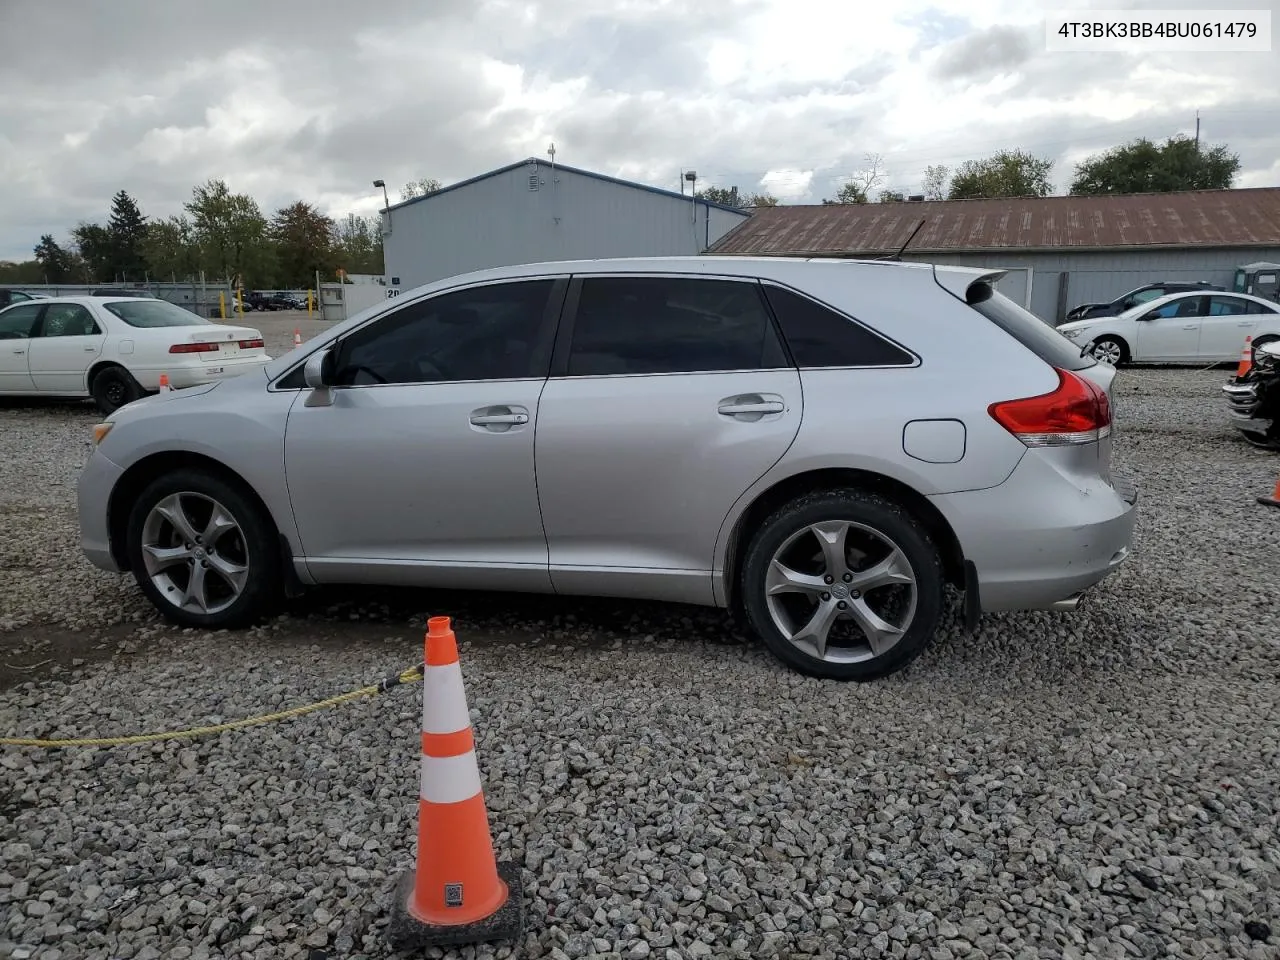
(819, 337)
(1028, 329)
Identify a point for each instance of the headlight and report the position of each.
(1072, 334)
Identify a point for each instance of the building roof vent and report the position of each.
(916, 197)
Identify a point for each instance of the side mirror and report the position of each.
(318, 372)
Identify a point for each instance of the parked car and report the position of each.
(1253, 401)
(820, 445)
(287, 301)
(1180, 328)
(9, 296)
(114, 350)
(1139, 295)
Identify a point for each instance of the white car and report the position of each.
(114, 349)
(1189, 327)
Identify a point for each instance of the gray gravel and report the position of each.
(1101, 784)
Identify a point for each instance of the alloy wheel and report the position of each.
(1108, 351)
(841, 591)
(195, 553)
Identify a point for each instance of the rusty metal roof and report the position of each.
(1201, 218)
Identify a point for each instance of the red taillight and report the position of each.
(1077, 412)
(193, 348)
(252, 344)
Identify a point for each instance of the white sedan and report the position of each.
(1188, 327)
(114, 349)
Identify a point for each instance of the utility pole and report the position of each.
(1197, 131)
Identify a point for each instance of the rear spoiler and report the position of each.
(966, 284)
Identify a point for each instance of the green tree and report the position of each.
(56, 264)
(730, 197)
(892, 196)
(26, 271)
(93, 243)
(848, 193)
(304, 244)
(761, 200)
(419, 188)
(357, 242)
(128, 231)
(170, 249)
(231, 234)
(1141, 166)
(935, 182)
(1008, 173)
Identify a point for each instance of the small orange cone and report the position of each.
(458, 893)
(1274, 499)
(164, 383)
(297, 336)
(1246, 358)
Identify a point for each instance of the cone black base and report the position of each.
(1269, 501)
(405, 932)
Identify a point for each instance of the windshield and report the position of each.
(1028, 329)
(1152, 304)
(153, 313)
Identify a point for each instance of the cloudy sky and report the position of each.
(314, 99)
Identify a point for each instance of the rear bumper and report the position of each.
(196, 375)
(93, 493)
(1038, 540)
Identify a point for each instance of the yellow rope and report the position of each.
(412, 675)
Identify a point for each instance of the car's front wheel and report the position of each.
(203, 551)
(1110, 350)
(113, 387)
(843, 585)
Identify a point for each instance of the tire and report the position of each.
(1113, 345)
(879, 524)
(113, 387)
(248, 553)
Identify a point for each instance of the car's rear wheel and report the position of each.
(1110, 350)
(203, 551)
(113, 387)
(843, 584)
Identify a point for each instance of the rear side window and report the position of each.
(1255, 307)
(820, 337)
(153, 314)
(1028, 329)
(646, 325)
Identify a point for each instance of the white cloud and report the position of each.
(787, 96)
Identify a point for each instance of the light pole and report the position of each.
(386, 202)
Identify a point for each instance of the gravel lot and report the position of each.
(1100, 784)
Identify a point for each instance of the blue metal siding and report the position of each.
(1101, 277)
(499, 221)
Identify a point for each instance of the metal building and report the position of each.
(1061, 251)
(534, 211)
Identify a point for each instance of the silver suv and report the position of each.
(822, 446)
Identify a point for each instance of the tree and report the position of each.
(730, 197)
(28, 271)
(304, 244)
(761, 200)
(1141, 166)
(231, 234)
(859, 186)
(170, 249)
(93, 243)
(357, 242)
(1008, 173)
(892, 196)
(419, 188)
(56, 263)
(127, 229)
(935, 182)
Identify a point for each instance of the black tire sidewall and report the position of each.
(104, 378)
(262, 590)
(879, 513)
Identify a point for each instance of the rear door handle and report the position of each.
(90, 349)
(497, 417)
(1191, 326)
(751, 405)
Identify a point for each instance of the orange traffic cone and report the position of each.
(164, 383)
(1274, 499)
(458, 892)
(297, 336)
(1246, 358)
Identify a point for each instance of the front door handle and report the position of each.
(1189, 326)
(500, 418)
(751, 406)
(90, 349)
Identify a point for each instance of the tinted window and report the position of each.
(820, 337)
(153, 313)
(1028, 329)
(1143, 297)
(1227, 306)
(630, 325)
(1182, 307)
(16, 323)
(1255, 307)
(67, 320)
(485, 333)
